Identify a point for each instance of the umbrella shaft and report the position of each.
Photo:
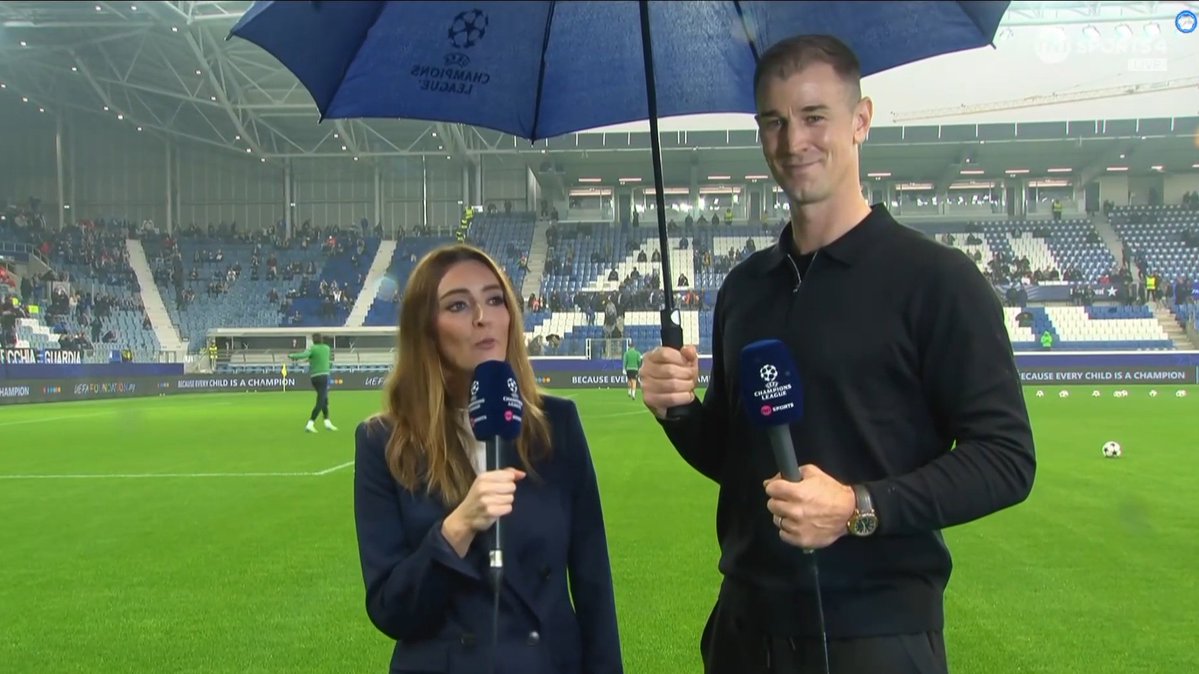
(672, 333)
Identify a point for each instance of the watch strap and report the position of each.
(865, 505)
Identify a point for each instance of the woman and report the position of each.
(424, 504)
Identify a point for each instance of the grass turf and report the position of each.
(238, 553)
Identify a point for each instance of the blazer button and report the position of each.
(534, 638)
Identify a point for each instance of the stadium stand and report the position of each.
(95, 297)
(1165, 238)
(507, 237)
(409, 250)
(260, 281)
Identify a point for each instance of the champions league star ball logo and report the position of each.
(512, 385)
(468, 28)
(768, 373)
(474, 388)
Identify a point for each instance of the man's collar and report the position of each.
(847, 249)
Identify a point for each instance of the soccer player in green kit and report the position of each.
(318, 356)
(632, 363)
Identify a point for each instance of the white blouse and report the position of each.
(478, 457)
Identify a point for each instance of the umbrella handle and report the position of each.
(672, 337)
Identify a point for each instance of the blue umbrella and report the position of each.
(542, 69)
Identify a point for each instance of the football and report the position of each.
(1112, 449)
(1063, 394)
(1040, 394)
(1153, 394)
(1095, 393)
(1181, 393)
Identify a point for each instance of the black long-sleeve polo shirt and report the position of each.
(910, 388)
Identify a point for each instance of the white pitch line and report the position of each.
(618, 414)
(334, 468)
(135, 476)
(141, 476)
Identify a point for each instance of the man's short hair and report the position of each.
(793, 54)
(316, 338)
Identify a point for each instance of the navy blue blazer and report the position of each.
(439, 607)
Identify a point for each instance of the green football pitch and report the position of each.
(209, 533)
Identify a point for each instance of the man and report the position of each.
(318, 356)
(632, 363)
(902, 353)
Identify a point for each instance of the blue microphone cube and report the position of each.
(496, 406)
(771, 390)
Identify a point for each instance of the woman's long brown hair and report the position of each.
(426, 445)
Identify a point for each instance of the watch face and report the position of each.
(865, 525)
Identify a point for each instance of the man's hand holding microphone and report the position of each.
(809, 507)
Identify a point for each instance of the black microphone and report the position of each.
(495, 416)
(772, 395)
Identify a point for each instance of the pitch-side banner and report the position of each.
(43, 390)
(40, 357)
(1175, 369)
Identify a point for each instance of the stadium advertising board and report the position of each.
(1064, 369)
(43, 390)
(40, 356)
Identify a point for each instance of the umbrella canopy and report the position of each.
(542, 69)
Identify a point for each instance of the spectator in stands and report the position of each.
(1046, 340)
(683, 281)
(902, 448)
(421, 452)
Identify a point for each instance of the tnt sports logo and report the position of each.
(1056, 44)
(512, 385)
(767, 410)
(474, 388)
(468, 28)
(768, 373)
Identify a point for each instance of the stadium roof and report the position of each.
(167, 66)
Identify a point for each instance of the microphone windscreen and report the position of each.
(495, 407)
(771, 391)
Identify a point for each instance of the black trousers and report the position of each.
(731, 646)
(321, 384)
